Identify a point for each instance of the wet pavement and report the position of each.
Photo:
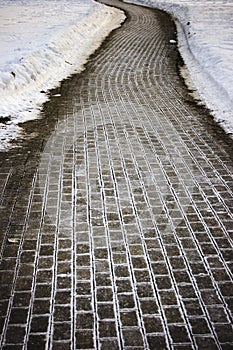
(116, 208)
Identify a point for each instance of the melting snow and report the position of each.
(205, 41)
(42, 43)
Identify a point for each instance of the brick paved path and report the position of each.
(116, 209)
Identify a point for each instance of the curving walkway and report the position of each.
(116, 229)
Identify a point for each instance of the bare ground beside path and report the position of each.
(116, 208)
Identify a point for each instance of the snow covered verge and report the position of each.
(43, 42)
(205, 41)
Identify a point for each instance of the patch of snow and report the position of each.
(205, 41)
(43, 42)
(172, 41)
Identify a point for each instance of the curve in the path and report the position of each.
(136, 172)
(135, 190)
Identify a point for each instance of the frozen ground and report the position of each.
(43, 42)
(205, 40)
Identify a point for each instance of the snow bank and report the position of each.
(44, 42)
(205, 35)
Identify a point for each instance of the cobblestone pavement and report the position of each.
(116, 209)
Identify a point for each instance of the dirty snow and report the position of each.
(205, 41)
(43, 42)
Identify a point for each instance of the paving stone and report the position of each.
(132, 337)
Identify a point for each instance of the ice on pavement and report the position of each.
(205, 41)
(43, 42)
